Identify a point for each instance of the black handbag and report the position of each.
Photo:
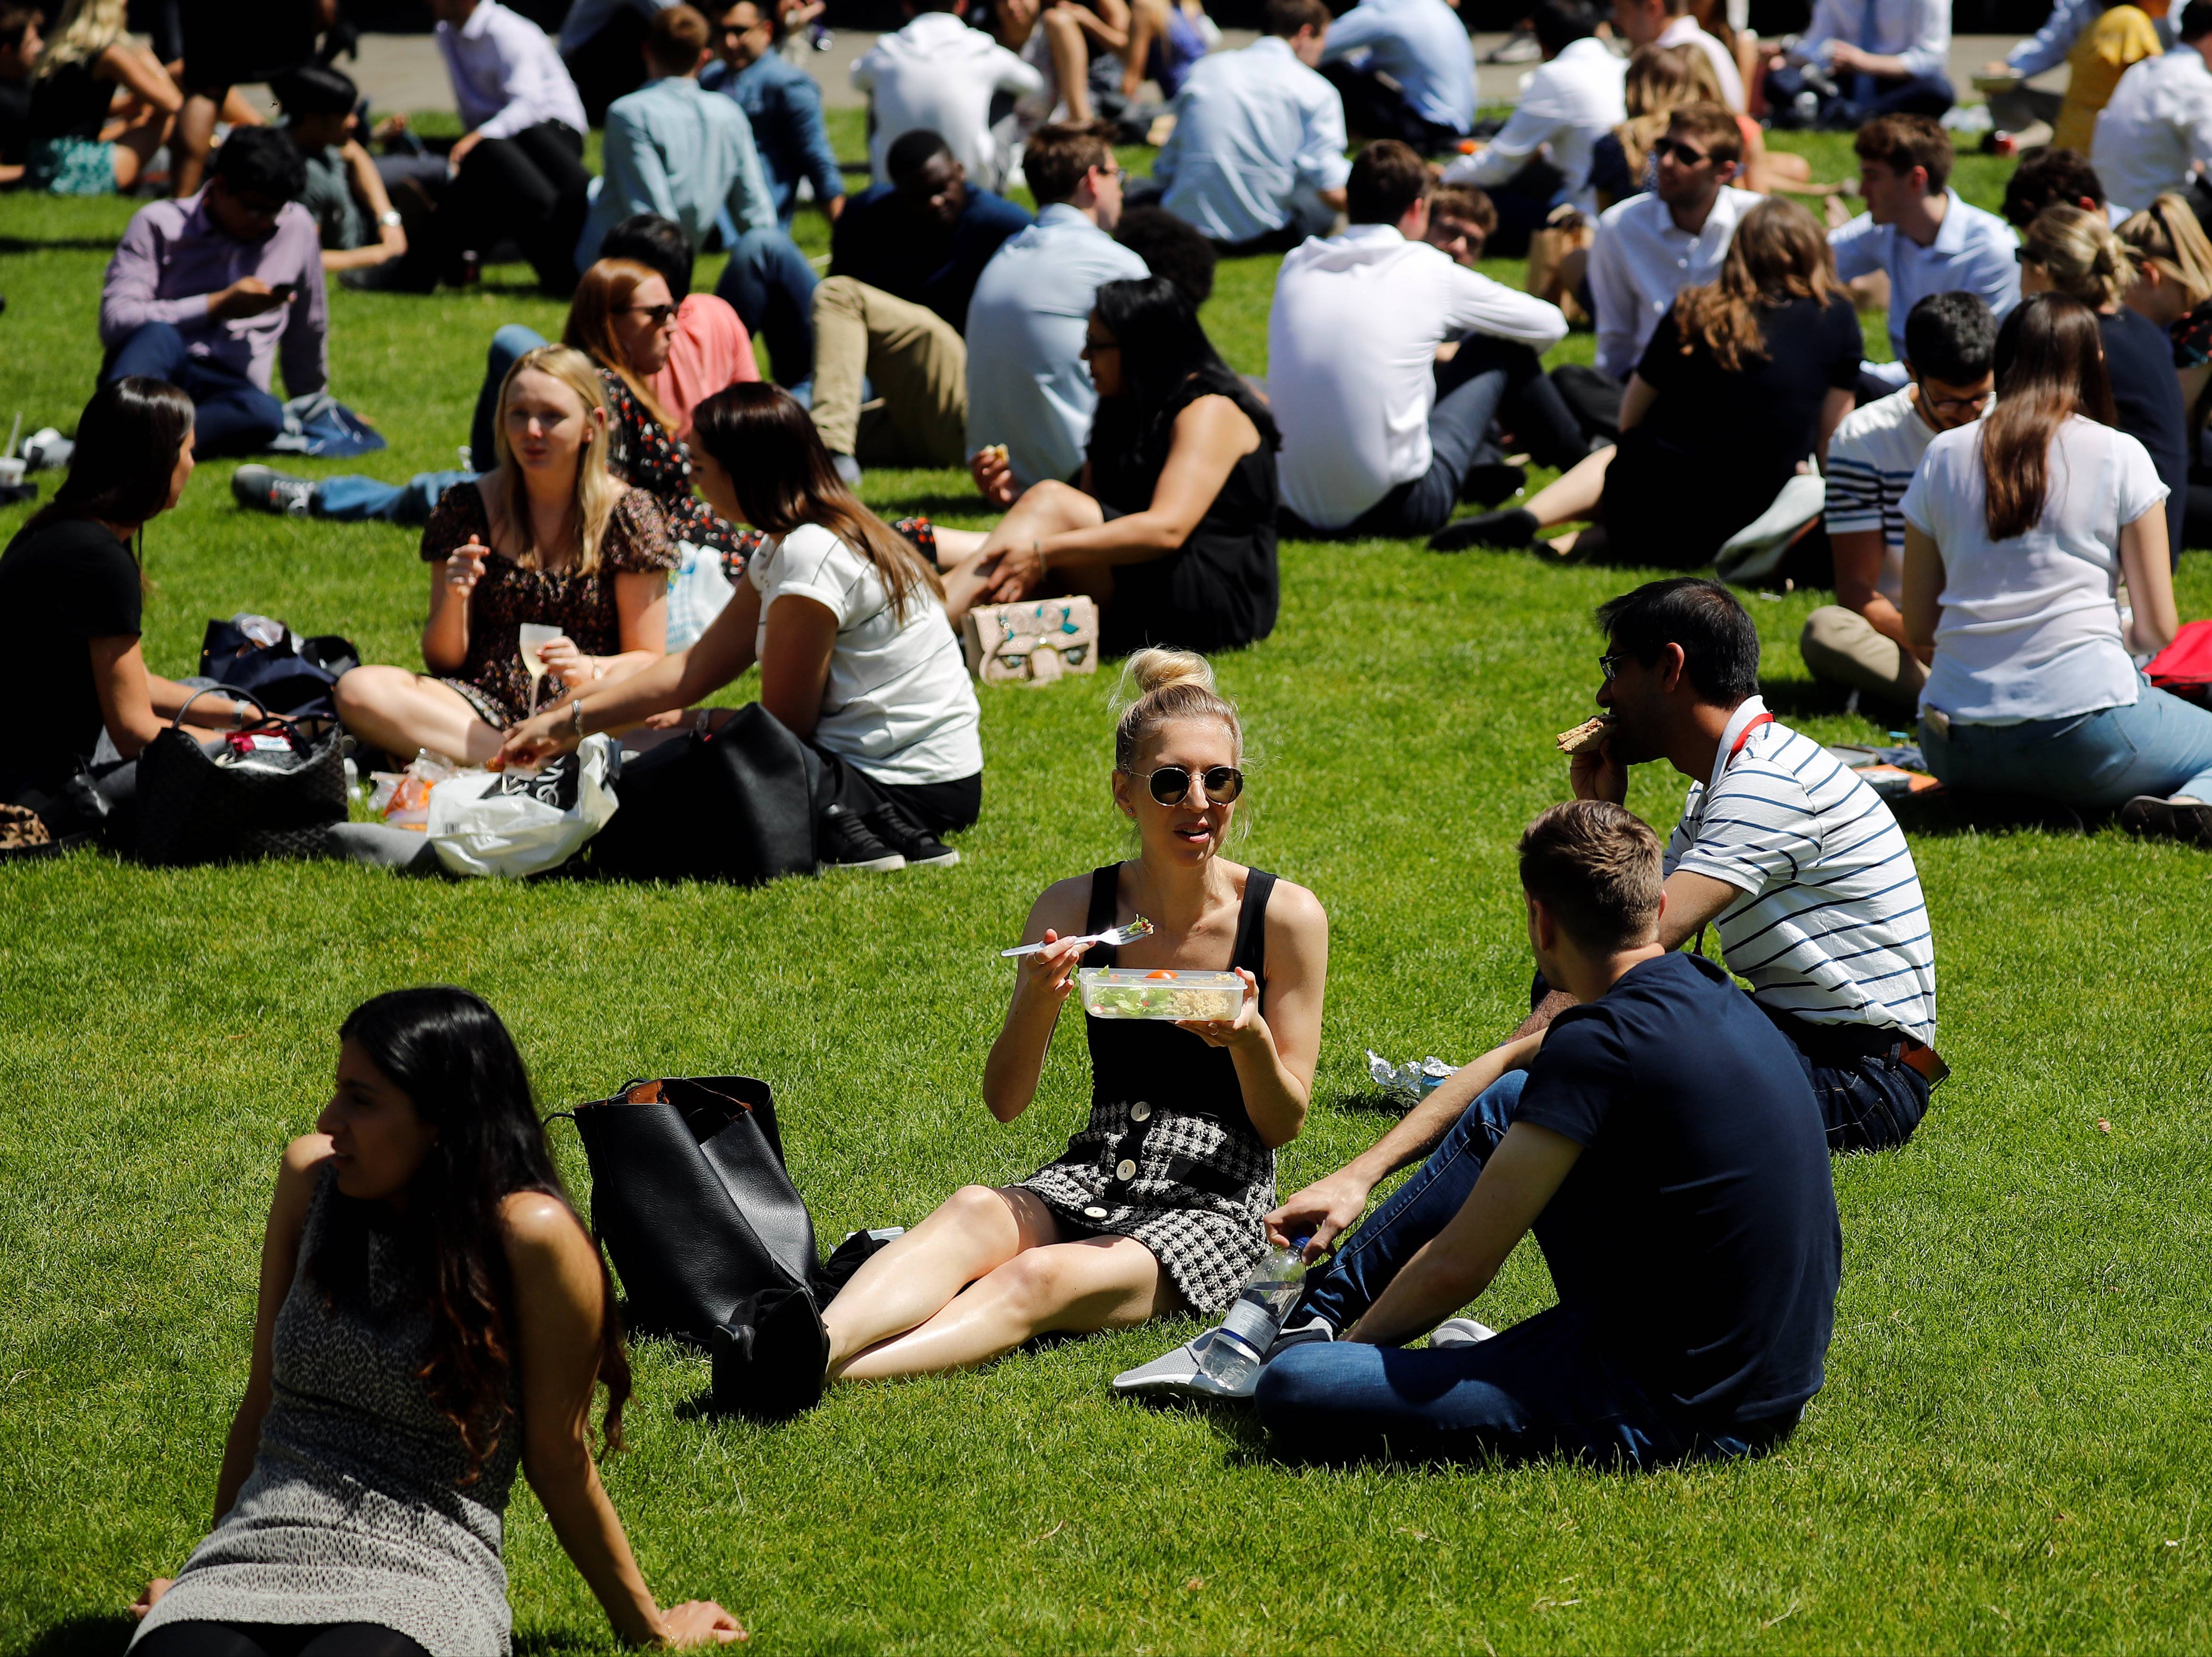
(281, 679)
(737, 805)
(194, 808)
(710, 1238)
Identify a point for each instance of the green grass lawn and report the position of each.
(2011, 1449)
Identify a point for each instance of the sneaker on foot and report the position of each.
(266, 489)
(1489, 481)
(1303, 1334)
(2183, 819)
(920, 849)
(1515, 526)
(1460, 1331)
(849, 843)
(1172, 1374)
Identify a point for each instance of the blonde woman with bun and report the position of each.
(549, 536)
(2071, 250)
(2173, 288)
(1155, 1206)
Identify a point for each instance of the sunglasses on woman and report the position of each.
(659, 316)
(1170, 784)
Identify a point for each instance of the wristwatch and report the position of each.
(389, 218)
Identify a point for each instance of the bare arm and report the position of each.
(138, 72)
(445, 634)
(802, 635)
(1458, 1263)
(369, 188)
(1041, 983)
(1211, 436)
(1636, 401)
(1923, 590)
(2149, 571)
(1858, 565)
(1106, 21)
(1327, 1208)
(559, 1306)
(1832, 411)
(1275, 1053)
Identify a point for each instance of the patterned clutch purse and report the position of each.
(1033, 642)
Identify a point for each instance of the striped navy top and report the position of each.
(1832, 927)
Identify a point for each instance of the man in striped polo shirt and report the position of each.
(1798, 863)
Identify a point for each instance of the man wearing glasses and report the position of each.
(1950, 340)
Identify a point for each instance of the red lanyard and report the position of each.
(1744, 735)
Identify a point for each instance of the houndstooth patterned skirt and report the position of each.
(1188, 1186)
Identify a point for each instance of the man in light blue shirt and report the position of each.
(1917, 232)
(674, 148)
(1028, 387)
(1257, 153)
(1422, 46)
(1873, 57)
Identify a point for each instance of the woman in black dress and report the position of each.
(1173, 532)
(1155, 1206)
(1741, 386)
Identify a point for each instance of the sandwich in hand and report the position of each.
(1586, 735)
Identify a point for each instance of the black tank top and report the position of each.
(1152, 1059)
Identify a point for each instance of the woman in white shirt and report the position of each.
(2019, 531)
(847, 622)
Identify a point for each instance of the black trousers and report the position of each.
(278, 1640)
(608, 65)
(1375, 106)
(531, 188)
(940, 807)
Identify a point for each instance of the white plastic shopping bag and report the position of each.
(510, 824)
(696, 594)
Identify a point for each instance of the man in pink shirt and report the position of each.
(208, 291)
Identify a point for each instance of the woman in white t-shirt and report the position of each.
(2019, 531)
(847, 622)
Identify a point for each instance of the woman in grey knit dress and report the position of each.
(432, 1313)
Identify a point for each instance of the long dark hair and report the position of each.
(128, 439)
(2051, 366)
(447, 1051)
(1777, 254)
(784, 478)
(1163, 345)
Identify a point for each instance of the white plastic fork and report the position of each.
(1113, 938)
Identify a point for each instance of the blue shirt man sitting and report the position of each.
(782, 103)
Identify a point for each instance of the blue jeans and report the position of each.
(1544, 1388)
(2157, 745)
(1469, 389)
(1864, 97)
(770, 284)
(507, 345)
(230, 414)
(364, 500)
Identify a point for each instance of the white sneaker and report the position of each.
(1314, 1329)
(1754, 552)
(1175, 1374)
(1459, 1331)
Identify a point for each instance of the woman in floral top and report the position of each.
(552, 536)
(622, 318)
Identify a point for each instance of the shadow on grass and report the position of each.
(84, 1636)
(57, 245)
(1368, 1101)
(932, 506)
(1938, 815)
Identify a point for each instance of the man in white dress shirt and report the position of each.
(1862, 59)
(2157, 130)
(1571, 103)
(1669, 23)
(1256, 158)
(1377, 436)
(938, 75)
(1028, 387)
(1651, 246)
(1405, 70)
(519, 169)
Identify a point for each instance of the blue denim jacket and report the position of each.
(785, 107)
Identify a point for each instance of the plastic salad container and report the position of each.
(1126, 992)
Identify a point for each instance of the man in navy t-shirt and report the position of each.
(1664, 1147)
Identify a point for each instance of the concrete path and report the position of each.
(404, 72)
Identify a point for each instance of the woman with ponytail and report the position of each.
(432, 1315)
(2071, 250)
(1155, 1206)
(2019, 531)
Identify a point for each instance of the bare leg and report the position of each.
(239, 111)
(904, 1284)
(1573, 493)
(146, 129)
(1076, 1288)
(955, 546)
(195, 136)
(1788, 168)
(400, 712)
(1045, 509)
(1148, 21)
(1071, 62)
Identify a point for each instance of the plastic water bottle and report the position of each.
(1233, 1356)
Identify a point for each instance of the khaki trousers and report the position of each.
(919, 368)
(1842, 646)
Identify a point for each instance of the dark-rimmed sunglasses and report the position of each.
(1680, 151)
(1610, 665)
(1170, 784)
(659, 316)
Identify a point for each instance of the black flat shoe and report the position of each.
(1514, 527)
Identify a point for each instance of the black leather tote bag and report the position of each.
(194, 808)
(710, 1238)
(737, 806)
